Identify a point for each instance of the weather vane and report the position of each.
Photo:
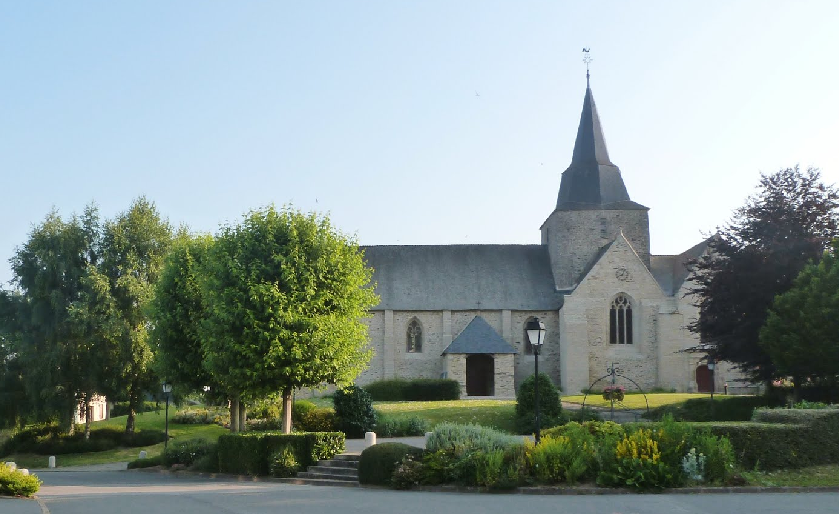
(587, 59)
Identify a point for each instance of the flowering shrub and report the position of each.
(15, 483)
(407, 474)
(187, 452)
(378, 462)
(284, 464)
(562, 458)
(637, 463)
(614, 393)
(693, 465)
(463, 438)
(198, 417)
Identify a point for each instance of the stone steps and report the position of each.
(341, 470)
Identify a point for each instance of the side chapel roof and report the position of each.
(479, 337)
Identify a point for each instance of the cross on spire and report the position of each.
(587, 59)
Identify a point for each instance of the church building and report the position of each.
(460, 311)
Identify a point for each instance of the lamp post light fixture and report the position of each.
(536, 334)
(167, 390)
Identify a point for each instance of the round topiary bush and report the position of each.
(550, 407)
(354, 411)
(379, 461)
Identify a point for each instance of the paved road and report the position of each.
(132, 492)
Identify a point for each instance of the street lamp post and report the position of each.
(167, 390)
(712, 364)
(536, 334)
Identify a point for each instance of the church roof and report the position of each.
(592, 181)
(671, 271)
(462, 277)
(479, 337)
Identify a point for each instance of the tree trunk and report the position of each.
(132, 409)
(87, 410)
(796, 389)
(243, 417)
(234, 414)
(287, 410)
(70, 427)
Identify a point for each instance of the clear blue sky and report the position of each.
(368, 110)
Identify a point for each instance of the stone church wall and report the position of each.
(549, 356)
(575, 237)
(388, 339)
(619, 270)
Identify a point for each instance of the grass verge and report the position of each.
(636, 400)
(815, 476)
(499, 414)
(146, 420)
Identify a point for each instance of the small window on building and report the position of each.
(413, 342)
(620, 320)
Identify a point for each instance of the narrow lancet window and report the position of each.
(414, 337)
(620, 320)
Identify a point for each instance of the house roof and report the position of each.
(479, 337)
(592, 181)
(461, 277)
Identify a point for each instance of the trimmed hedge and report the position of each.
(251, 453)
(121, 408)
(784, 438)
(726, 408)
(379, 461)
(146, 463)
(414, 390)
(49, 440)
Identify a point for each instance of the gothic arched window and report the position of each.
(620, 320)
(413, 341)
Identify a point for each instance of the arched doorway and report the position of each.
(703, 379)
(480, 375)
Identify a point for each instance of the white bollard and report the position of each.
(52, 461)
(143, 454)
(369, 439)
(11, 465)
(24, 472)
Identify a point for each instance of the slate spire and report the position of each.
(592, 181)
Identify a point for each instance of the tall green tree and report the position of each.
(134, 245)
(285, 294)
(177, 311)
(790, 221)
(96, 327)
(14, 405)
(48, 271)
(801, 334)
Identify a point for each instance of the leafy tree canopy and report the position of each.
(176, 312)
(801, 334)
(789, 222)
(285, 294)
(48, 270)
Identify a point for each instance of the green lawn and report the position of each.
(636, 400)
(827, 475)
(498, 414)
(146, 420)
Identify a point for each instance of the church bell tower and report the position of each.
(592, 207)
